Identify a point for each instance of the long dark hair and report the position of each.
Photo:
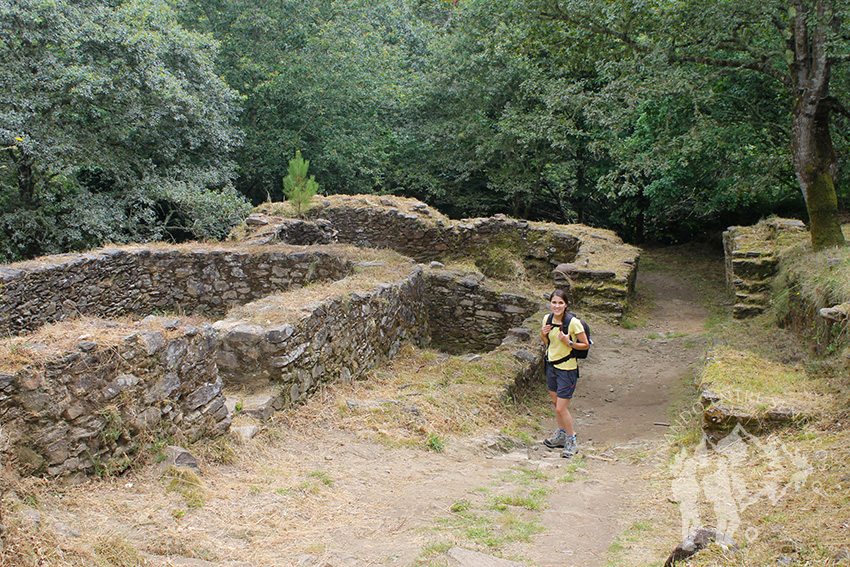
(562, 294)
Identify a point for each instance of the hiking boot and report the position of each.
(556, 439)
(570, 447)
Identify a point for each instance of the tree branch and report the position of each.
(595, 29)
(836, 106)
(839, 60)
(759, 66)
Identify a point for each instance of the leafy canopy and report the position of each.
(114, 127)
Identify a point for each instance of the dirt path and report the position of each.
(626, 392)
(325, 497)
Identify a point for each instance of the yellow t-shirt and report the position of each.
(557, 349)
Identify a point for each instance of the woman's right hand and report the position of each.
(544, 332)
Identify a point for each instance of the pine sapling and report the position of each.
(297, 187)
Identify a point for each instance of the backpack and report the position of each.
(574, 353)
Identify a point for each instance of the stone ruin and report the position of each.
(112, 350)
(752, 261)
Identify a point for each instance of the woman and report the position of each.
(562, 369)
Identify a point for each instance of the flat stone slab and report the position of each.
(466, 558)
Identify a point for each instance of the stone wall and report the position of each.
(751, 254)
(465, 316)
(88, 409)
(338, 340)
(116, 282)
(596, 266)
(423, 237)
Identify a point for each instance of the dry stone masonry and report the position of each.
(340, 339)
(752, 260)
(83, 387)
(115, 282)
(595, 264)
(465, 316)
(88, 409)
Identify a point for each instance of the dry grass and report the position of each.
(808, 520)
(821, 277)
(372, 268)
(756, 385)
(405, 205)
(265, 500)
(274, 498)
(56, 339)
(766, 237)
(420, 395)
(186, 247)
(601, 249)
(782, 495)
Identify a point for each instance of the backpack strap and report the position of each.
(568, 318)
(560, 360)
(566, 325)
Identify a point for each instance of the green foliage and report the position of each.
(435, 443)
(329, 76)
(133, 121)
(479, 141)
(297, 187)
(116, 129)
(734, 73)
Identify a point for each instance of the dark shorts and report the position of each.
(561, 381)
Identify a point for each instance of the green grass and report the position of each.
(523, 475)
(534, 500)
(728, 368)
(188, 483)
(322, 477)
(435, 443)
(494, 516)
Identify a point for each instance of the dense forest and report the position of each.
(664, 120)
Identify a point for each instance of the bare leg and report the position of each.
(565, 418)
(554, 396)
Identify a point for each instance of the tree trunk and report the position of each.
(814, 156)
(814, 164)
(25, 178)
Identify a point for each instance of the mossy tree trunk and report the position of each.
(814, 164)
(814, 156)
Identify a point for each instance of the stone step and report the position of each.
(752, 298)
(745, 310)
(258, 405)
(759, 268)
(751, 286)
